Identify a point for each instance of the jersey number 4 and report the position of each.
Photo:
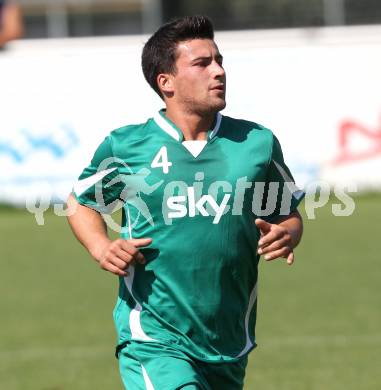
(161, 160)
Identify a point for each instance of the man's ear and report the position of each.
(165, 83)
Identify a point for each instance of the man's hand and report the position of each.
(280, 239)
(116, 256)
(90, 229)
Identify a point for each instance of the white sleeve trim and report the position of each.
(82, 185)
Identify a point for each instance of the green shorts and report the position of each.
(149, 366)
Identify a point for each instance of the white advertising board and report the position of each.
(318, 90)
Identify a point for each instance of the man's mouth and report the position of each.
(219, 87)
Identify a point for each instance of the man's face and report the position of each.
(199, 83)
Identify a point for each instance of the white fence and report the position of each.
(319, 90)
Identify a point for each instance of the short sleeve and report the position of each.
(99, 186)
(281, 195)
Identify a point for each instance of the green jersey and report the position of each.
(197, 200)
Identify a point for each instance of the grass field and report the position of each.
(319, 321)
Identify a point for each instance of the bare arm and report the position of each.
(89, 228)
(11, 24)
(280, 238)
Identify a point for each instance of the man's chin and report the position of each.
(212, 107)
(218, 104)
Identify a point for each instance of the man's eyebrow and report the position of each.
(218, 56)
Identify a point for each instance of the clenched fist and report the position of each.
(117, 255)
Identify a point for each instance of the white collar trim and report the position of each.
(169, 129)
(217, 126)
(194, 147)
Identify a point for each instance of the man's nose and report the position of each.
(218, 70)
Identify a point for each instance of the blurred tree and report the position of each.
(363, 12)
(218, 10)
(116, 17)
(249, 14)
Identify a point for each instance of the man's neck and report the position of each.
(194, 126)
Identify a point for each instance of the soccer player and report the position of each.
(192, 184)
